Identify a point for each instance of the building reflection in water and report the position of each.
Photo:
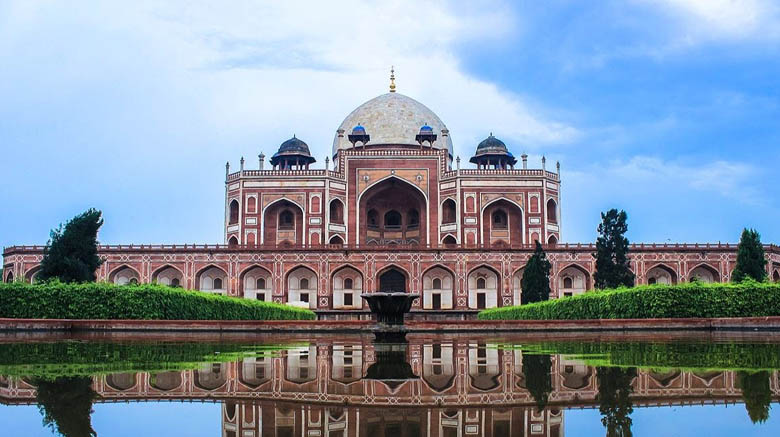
(461, 387)
(290, 419)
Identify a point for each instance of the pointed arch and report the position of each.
(580, 280)
(121, 381)
(124, 274)
(165, 381)
(552, 210)
(264, 218)
(439, 366)
(336, 240)
(168, 275)
(212, 278)
(423, 202)
(346, 363)
(484, 367)
(255, 371)
(449, 240)
(251, 205)
(387, 280)
(484, 287)
(518, 232)
(575, 375)
(704, 273)
(301, 364)
(347, 286)
(9, 277)
(256, 283)
(661, 273)
(233, 212)
(665, 379)
(448, 211)
(438, 288)
(233, 241)
(211, 376)
(301, 284)
(29, 277)
(517, 287)
(336, 209)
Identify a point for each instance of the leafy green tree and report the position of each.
(66, 405)
(612, 266)
(614, 399)
(538, 380)
(536, 277)
(750, 257)
(756, 394)
(71, 253)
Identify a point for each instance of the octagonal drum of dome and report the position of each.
(392, 119)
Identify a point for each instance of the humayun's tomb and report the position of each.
(395, 211)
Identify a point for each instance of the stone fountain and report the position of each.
(390, 307)
(390, 343)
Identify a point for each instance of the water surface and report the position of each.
(349, 385)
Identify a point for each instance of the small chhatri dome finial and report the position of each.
(392, 79)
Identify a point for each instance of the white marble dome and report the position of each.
(391, 118)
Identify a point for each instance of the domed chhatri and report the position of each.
(392, 119)
(292, 154)
(426, 135)
(359, 135)
(493, 152)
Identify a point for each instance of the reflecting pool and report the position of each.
(350, 385)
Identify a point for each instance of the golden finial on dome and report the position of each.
(392, 79)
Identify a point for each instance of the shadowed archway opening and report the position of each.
(392, 280)
(393, 212)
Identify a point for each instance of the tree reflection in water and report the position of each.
(66, 405)
(756, 394)
(614, 399)
(537, 373)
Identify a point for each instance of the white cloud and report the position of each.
(271, 69)
(725, 179)
(703, 20)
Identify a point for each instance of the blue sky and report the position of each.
(668, 109)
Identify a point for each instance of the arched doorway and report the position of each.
(392, 279)
(502, 223)
(282, 222)
(393, 212)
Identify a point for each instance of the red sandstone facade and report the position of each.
(392, 213)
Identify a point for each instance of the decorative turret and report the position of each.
(426, 135)
(293, 154)
(493, 152)
(358, 135)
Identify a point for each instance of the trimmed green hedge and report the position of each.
(707, 354)
(694, 299)
(51, 360)
(56, 300)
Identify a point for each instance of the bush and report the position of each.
(694, 299)
(57, 300)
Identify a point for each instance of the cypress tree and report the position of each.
(612, 266)
(538, 380)
(536, 277)
(614, 399)
(756, 394)
(71, 253)
(66, 405)
(750, 257)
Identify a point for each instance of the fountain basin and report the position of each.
(390, 307)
